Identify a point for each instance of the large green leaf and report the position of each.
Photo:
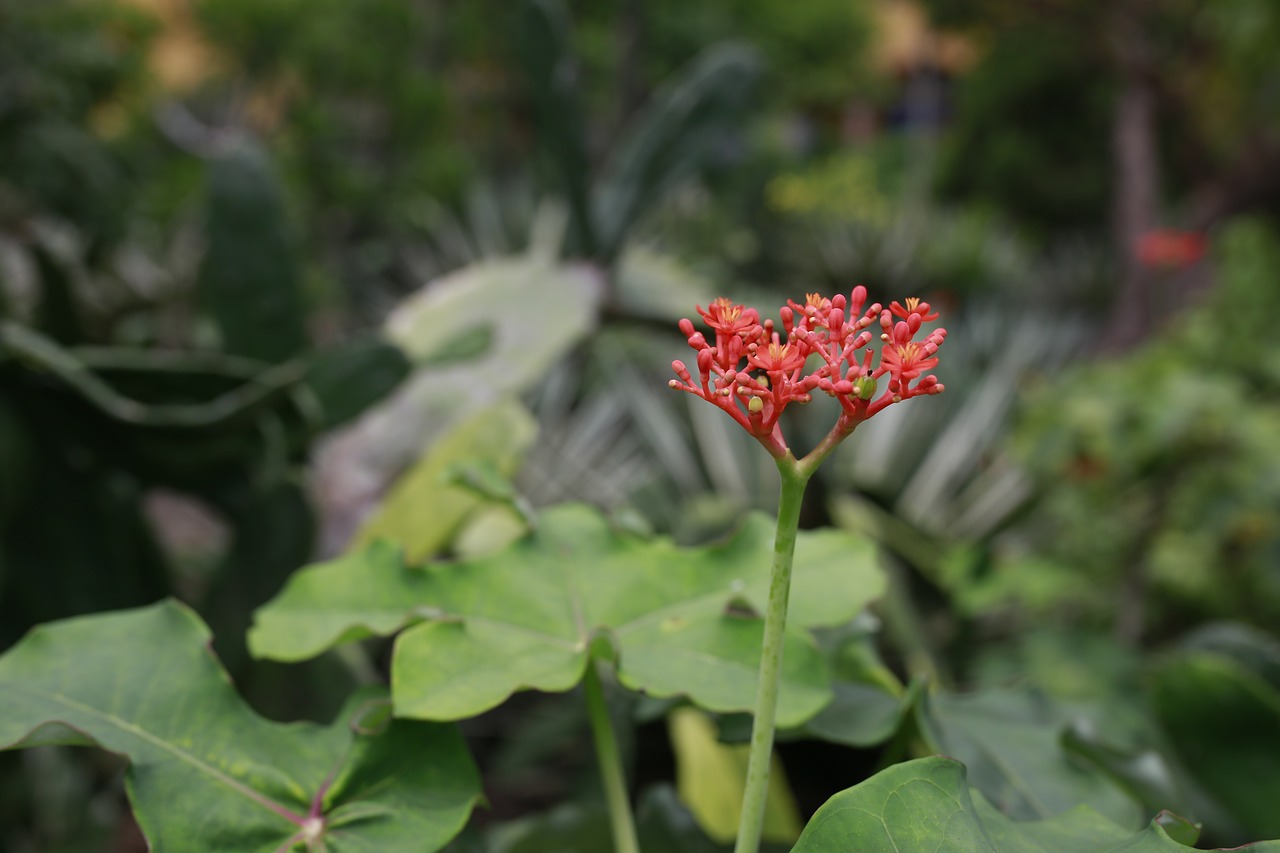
(1223, 723)
(1011, 743)
(206, 773)
(925, 805)
(478, 630)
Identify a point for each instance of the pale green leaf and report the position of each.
(711, 777)
(425, 508)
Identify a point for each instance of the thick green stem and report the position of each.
(611, 773)
(794, 479)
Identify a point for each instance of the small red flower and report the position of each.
(777, 358)
(913, 306)
(726, 318)
(906, 361)
(836, 330)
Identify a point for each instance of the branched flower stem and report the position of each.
(795, 476)
(753, 374)
(610, 758)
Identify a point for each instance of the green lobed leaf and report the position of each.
(925, 805)
(680, 619)
(206, 773)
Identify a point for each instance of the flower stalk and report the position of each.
(753, 372)
(756, 792)
(609, 757)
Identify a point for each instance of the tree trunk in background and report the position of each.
(1135, 199)
(629, 37)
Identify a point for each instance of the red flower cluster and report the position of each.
(835, 333)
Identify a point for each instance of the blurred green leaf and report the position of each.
(1255, 650)
(1223, 724)
(1011, 744)
(535, 311)
(350, 377)
(1144, 773)
(525, 308)
(711, 778)
(652, 284)
(207, 773)
(477, 630)
(863, 715)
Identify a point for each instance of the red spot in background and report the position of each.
(1169, 248)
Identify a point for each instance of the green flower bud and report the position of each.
(755, 405)
(864, 387)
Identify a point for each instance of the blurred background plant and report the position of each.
(265, 265)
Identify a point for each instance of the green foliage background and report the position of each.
(452, 240)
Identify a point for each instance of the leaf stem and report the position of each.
(611, 773)
(794, 479)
